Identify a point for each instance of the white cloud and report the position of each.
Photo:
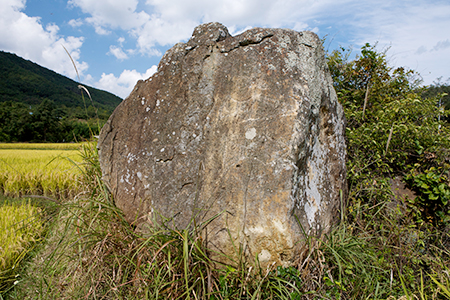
(416, 32)
(28, 38)
(420, 50)
(124, 84)
(233, 31)
(300, 26)
(111, 14)
(76, 23)
(161, 32)
(174, 20)
(441, 45)
(166, 22)
(117, 52)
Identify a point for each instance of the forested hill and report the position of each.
(29, 83)
(37, 104)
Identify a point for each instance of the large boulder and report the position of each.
(243, 131)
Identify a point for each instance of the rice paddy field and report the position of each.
(40, 169)
(20, 226)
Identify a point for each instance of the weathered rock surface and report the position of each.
(247, 127)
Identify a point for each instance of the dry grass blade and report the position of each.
(86, 90)
(73, 63)
(81, 87)
(389, 139)
(365, 99)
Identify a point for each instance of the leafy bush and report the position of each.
(389, 126)
(433, 194)
(392, 131)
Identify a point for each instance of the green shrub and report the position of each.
(433, 192)
(390, 127)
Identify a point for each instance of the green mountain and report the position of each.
(26, 82)
(37, 104)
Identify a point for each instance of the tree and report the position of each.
(15, 119)
(45, 122)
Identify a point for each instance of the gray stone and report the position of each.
(246, 130)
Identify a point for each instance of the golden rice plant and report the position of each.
(30, 170)
(20, 225)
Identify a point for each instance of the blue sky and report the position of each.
(117, 42)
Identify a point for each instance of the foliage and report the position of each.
(389, 126)
(434, 194)
(439, 88)
(43, 123)
(392, 131)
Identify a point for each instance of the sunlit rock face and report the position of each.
(244, 132)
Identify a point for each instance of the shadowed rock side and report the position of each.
(245, 128)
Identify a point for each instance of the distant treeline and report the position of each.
(43, 123)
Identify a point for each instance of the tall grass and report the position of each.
(378, 252)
